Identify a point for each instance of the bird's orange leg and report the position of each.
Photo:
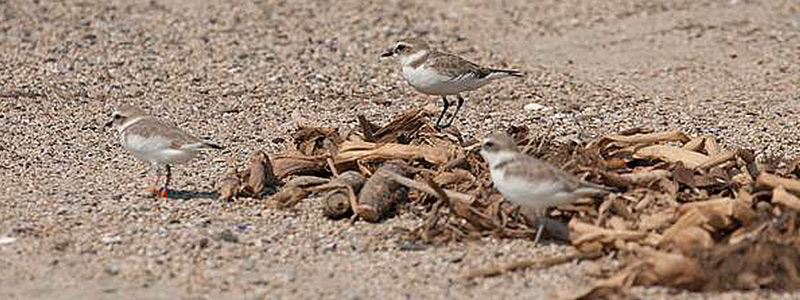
(164, 192)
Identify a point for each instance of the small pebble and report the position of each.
(536, 107)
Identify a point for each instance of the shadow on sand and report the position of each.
(189, 195)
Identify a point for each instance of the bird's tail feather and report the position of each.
(213, 146)
(499, 73)
(202, 145)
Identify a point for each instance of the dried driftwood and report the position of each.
(230, 185)
(261, 174)
(350, 151)
(298, 164)
(380, 194)
(336, 201)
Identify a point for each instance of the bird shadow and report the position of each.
(189, 195)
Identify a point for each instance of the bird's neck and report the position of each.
(501, 158)
(129, 122)
(415, 60)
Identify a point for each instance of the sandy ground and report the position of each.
(74, 223)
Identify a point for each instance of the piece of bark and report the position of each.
(310, 140)
(288, 165)
(767, 179)
(307, 181)
(351, 151)
(229, 187)
(651, 137)
(459, 162)
(666, 153)
(717, 159)
(711, 146)
(780, 196)
(696, 144)
(380, 194)
(367, 128)
(261, 174)
(403, 126)
(289, 196)
(336, 202)
(461, 199)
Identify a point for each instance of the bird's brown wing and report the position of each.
(536, 170)
(456, 67)
(152, 127)
(530, 169)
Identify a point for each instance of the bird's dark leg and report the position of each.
(458, 107)
(444, 111)
(538, 234)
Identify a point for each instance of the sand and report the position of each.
(76, 224)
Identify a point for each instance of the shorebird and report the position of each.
(437, 73)
(154, 141)
(530, 182)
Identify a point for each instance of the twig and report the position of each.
(524, 264)
(433, 217)
(351, 195)
(427, 189)
(332, 167)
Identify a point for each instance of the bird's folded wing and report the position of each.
(456, 67)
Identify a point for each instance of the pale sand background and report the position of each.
(246, 73)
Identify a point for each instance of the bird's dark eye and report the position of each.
(488, 145)
(116, 117)
(401, 47)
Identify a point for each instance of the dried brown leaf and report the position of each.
(690, 159)
(350, 151)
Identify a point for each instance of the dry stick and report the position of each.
(523, 264)
(442, 196)
(767, 179)
(351, 195)
(717, 159)
(336, 201)
(332, 167)
(427, 189)
(483, 220)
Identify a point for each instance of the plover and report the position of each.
(155, 141)
(437, 73)
(530, 182)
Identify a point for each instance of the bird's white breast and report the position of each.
(155, 149)
(429, 80)
(535, 193)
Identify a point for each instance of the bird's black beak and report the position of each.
(110, 122)
(388, 53)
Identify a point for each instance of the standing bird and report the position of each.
(530, 182)
(154, 141)
(437, 73)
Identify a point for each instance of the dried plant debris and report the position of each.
(257, 180)
(687, 212)
(262, 175)
(339, 193)
(380, 195)
(692, 214)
